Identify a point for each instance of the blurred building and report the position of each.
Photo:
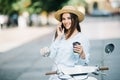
(103, 7)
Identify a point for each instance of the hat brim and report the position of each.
(78, 13)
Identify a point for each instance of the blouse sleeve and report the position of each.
(86, 47)
(53, 48)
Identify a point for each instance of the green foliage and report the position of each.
(21, 5)
(77, 3)
(6, 6)
(52, 5)
(34, 6)
(47, 5)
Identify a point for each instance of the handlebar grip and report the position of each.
(51, 73)
(103, 68)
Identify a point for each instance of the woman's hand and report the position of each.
(60, 31)
(79, 49)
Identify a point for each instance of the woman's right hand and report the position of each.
(60, 31)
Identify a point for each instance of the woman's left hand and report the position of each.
(45, 51)
(79, 49)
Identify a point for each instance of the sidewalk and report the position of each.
(14, 37)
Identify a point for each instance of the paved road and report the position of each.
(25, 63)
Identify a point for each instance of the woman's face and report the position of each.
(66, 20)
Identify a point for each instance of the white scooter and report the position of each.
(79, 72)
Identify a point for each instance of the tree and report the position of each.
(32, 6)
(77, 2)
(53, 5)
(6, 6)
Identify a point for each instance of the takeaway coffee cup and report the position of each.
(75, 43)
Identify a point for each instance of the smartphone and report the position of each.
(61, 28)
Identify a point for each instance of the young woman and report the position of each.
(62, 50)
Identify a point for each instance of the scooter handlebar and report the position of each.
(103, 68)
(51, 73)
(55, 72)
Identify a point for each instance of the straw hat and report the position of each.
(69, 9)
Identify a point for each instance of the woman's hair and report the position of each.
(74, 24)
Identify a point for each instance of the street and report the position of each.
(24, 62)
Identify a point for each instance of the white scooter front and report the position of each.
(77, 72)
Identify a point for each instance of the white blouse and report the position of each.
(62, 51)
